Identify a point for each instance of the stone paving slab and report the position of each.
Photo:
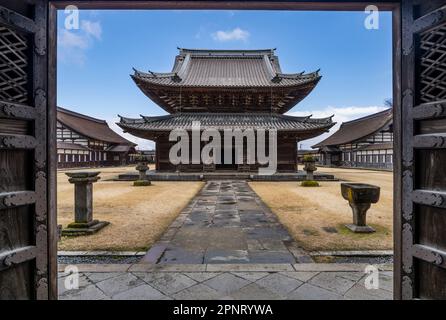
(229, 285)
(386, 269)
(226, 223)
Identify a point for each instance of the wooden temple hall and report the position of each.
(363, 143)
(84, 141)
(227, 89)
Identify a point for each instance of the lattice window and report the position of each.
(13, 66)
(433, 65)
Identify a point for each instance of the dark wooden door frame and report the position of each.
(315, 5)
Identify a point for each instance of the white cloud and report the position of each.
(73, 44)
(200, 32)
(341, 114)
(236, 34)
(92, 29)
(69, 39)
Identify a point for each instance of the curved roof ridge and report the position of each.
(370, 116)
(311, 119)
(152, 74)
(156, 118)
(308, 118)
(230, 51)
(298, 76)
(80, 115)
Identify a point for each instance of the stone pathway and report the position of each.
(226, 223)
(228, 282)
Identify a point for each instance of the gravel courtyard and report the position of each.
(315, 217)
(138, 216)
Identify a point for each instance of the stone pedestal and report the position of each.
(360, 197)
(83, 204)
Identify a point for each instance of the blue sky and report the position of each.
(94, 61)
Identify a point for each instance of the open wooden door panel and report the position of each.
(423, 236)
(24, 168)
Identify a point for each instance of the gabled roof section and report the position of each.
(358, 129)
(226, 68)
(90, 127)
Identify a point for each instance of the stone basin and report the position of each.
(360, 192)
(84, 174)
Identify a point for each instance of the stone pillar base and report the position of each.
(80, 229)
(360, 229)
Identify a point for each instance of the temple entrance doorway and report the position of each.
(413, 24)
(232, 166)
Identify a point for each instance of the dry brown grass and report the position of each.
(309, 212)
(138, 215)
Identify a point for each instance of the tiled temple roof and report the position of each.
(231, 80)
(227, 68)
(358, 129)
(221, 121)
(89, 127)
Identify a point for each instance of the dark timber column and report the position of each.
(423, 210)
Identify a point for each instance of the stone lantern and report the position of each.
(143, 179)
(83, 204)
(309, 167)
(360, 196)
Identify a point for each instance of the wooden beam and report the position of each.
(17, 142)
(430, 20)
(430, 198)
(430, 141)
(17, 198)
(383, 5)
(429, 254)
(430, 110)
(397, 151)
(17, 256)
(16, 110)
(17, 21)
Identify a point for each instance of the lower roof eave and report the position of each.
(155, 133)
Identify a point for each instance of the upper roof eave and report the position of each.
(153, 78)
(234, 52)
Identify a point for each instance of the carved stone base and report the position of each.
(80, 229)
(360, 229)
